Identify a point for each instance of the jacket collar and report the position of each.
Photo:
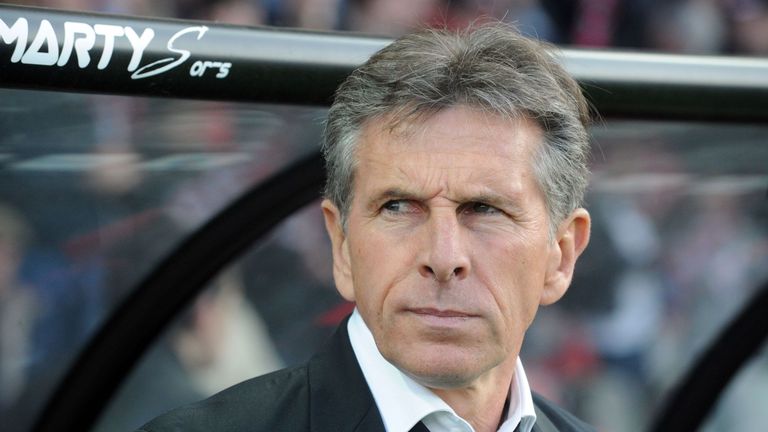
(340, 399)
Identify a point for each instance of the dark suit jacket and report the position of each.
(327, 394)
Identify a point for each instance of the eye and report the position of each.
(398, 206)
(481, 208)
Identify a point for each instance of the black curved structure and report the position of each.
(691, 401)
(109, 356)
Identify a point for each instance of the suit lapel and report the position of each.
(340, 399)
(543, 423)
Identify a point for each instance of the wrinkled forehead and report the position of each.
(408, 125)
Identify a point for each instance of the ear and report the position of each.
(571, 239)
(342, 271)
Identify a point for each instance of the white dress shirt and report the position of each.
(403, 402)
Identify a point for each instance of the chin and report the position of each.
(444, 380)
(438, 369)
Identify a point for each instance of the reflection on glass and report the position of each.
(94, 196)
(94, 191)
(679, 242)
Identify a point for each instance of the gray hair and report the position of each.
(491, 67)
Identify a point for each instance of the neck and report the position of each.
(482, 402)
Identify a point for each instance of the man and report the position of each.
(456, 168)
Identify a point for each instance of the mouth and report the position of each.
(441, 313)
(442, 319)
(439, 324)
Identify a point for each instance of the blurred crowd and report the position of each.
(95, 190)
(680, 26)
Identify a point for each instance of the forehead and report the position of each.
(450, 136)
(458, 152)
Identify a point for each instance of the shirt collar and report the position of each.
(403, 402)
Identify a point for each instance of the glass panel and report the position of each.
(679, 242)
(94, 191)
(273, 308)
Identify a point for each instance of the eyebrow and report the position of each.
(499, 201)
(391, 193)
(492, 199)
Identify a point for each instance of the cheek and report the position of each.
(370, 265)
(515, 275)
(379, 269)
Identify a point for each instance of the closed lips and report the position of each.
(442, 313)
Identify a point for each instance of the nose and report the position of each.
(445, 254)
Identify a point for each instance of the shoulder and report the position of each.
(561, 419)
(276, 401)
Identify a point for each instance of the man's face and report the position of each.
(447, 251)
